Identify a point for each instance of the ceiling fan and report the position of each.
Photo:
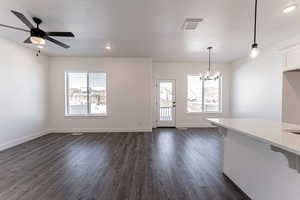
(37, 35)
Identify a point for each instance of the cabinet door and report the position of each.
(292, 60)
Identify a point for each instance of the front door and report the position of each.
(165, 103)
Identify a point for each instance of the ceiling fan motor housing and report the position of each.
(36, 32)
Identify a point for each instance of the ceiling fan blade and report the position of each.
(23, 19)
(12, 27)
(60, 34)
(57, 42)
(28, 41)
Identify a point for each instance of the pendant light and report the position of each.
(210, 75)
(254, 48)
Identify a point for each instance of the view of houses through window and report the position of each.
(204, 95)
(86, 93)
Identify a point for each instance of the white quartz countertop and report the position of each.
(271, 132)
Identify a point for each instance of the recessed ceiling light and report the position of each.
(290, 8)
(108, 47)
(40, 46)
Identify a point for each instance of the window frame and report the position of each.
(66, 104)
(203, 95)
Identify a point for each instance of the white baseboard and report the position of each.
(22, 140)
(69, 130)
(98, 130)
(194, 125)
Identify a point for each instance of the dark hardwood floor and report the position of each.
(166, 164)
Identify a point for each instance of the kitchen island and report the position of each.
(262, 157)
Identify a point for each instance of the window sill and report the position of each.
(85, 116)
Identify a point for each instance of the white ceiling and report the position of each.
(152, 28)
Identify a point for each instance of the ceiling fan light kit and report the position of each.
(37, 40)
(40, 46)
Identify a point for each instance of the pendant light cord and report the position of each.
(209, 61)
(255, 19)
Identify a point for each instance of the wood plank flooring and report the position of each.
(165, 164)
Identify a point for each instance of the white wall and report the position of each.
(257, 86)
(23, 79)
(179, 71)
(129, 94)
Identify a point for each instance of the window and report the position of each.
(195, 94)
(85, 93)
(203, 95)
(212, 95)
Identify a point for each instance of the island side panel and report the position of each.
(260, 172)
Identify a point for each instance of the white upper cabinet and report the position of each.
(292, 59)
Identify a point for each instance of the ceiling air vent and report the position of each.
(191, 24)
